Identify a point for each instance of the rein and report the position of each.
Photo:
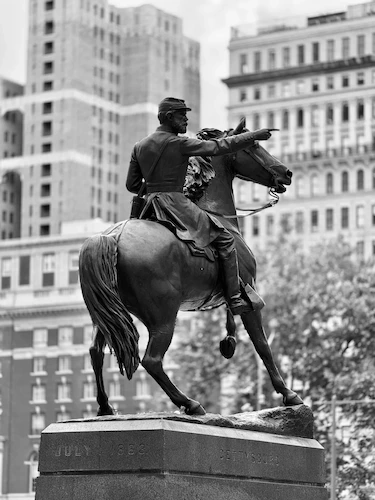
(251, 211)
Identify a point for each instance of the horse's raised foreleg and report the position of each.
(253, 324)
(97, 358)
(159, 341)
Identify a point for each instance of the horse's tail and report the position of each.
(98, 276)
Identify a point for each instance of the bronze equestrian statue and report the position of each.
(166, 261)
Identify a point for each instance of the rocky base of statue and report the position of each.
(263, 455)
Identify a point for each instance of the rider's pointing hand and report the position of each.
(263, 134)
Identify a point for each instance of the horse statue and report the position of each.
(140, 268)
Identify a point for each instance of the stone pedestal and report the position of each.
(171, 457)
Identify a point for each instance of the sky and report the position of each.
(207, 21)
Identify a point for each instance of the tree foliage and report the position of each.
(323, 303)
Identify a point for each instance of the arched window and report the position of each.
(300, 191)
(360, 180)
(344, 181)
(314, 185)
(329, 183)
(32, 464)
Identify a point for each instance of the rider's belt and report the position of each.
(164, 188)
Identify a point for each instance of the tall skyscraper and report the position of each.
(317, 85)
(11, 124)
(95, 75)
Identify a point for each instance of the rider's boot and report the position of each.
(236, 303)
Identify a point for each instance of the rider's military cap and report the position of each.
(172, 104)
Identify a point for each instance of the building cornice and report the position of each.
(353, 63)
(43, 311)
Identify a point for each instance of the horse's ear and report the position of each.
(240, 126)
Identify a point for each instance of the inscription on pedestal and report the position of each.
(254, 458)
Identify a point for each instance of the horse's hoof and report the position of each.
(292, 399)
(108, 410)
(228, 346)
(195, 408)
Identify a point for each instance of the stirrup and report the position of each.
(256, 300)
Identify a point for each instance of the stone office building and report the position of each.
(315, 83)
(95, 75)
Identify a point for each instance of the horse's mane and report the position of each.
(200, 170)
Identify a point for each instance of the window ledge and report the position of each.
(117, 398)
(38, 374)
(88, 400)
(145, 396)
(41, 402)
(64, 400)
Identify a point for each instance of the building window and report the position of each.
(47, 128)
(360, 216)
(286, 57)
(63, 390)
(6, 273)
(243, 95)
(47, 108)
(46, 170)
(301, 54)
(300, 86)
(40, 337)
(344, 218)
(285, 89)
(256, 121)
(38, 392)
(360, 109)
(345, 182)
(270, 225)
(300, 115)
(330, 50)
(62, 415)
(345, 47)
(65, 336)
(360, 78)
(271, 119)
(48, 27)
(329, 114)
(373, 178)
(360, 45)
(271, 91)
(88, 412)
(345, 112)
(45, 210)
(360, 180)
(315, 85)
(329, 219)
(48, 269)
(47, 86)
(49, 5)
(314, 221)
(88, 389)
(24, 270)
(285, 119)
(33, 473)
(345, 80)
(314, 116)
(271, 59)
(48, 47)
(142, 388)
(48, 67)
(88, 334)
(314, 185)
(114, 387)
(255, 227)
(243, 64)
(73, 267)
(38, 423)
(300, 187)
(257, 94)
(64, 364)
(39, 365)
(373, 215)
(315, 52)
(300, 222)
(329, 183)
(257, 61)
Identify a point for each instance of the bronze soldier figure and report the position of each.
(165, 180)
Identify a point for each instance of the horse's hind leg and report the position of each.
(253, 324)
(159, 341)
(97, 358)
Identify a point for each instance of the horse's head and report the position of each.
(257, 165)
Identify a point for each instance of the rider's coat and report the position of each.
(165, 184)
